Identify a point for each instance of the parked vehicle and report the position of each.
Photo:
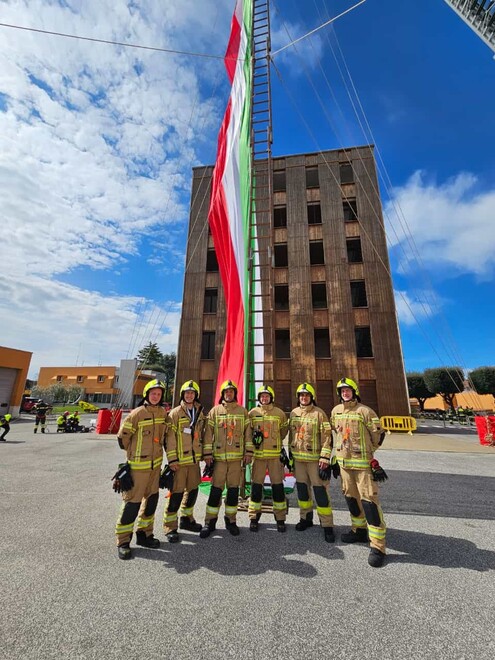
(28, 403)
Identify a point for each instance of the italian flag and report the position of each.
(229, 212)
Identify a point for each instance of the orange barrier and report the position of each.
(391, 423)
(486, 429)
(108, 421)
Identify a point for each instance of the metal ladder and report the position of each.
(260, 324)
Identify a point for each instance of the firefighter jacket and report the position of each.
(41, 409)
(358, 434)
(228, 433)
(142, 435)
(272, 422)
(184, 439)
(310, 438)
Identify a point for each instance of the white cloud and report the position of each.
(412, 310)
(451, 223)
(96, 148)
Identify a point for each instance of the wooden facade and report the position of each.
(331, 262)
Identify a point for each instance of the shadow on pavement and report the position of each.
(441, 551)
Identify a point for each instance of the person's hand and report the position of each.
(247, 459)
(209, 460)
(174, 467)
(322, 465)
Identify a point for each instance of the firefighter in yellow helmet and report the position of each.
(4, 426)
(184, 447)
(310, 441)
(227, 443)
(269, 428)
(142, 435)
(358, 436)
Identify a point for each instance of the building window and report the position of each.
(358, 294)
(282, 344)
(80, 379)
(281, 297)
(211, 261)
(312, 178)
(314, 214)
(281, 256)
(101, 379)
(279, 181)
(60, 379)
(319, 295)
(346, 173)
(354, 254)
(208, 346)
(363, 342)
(322, 343)
(350, 210)
(280, 216)
(316, 255)
(210, 304)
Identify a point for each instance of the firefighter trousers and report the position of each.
(275, 471)
(225, 473)
(186, 479)
(140, 502)
(361, 494)
(307, 478)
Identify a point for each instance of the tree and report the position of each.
(446, 381)
(149, 355)
(417, 388)
(58, 393)
(167, 367)
(483, 379)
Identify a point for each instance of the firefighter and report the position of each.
(269, 428)
(142, 435)
(73, 420)
(41, 409)
(184, 445)
(358, 436)
(5, 426)
(62, 422)
(310, 441)
(227, 443)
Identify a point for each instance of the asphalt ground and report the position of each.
(65, 594)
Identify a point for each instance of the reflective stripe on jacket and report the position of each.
(310, 438)
(183, 442)
(358, 432)
(228, 433)
(272, 422)
(142, 435)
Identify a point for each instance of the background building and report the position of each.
(14, 367)
(332, 310)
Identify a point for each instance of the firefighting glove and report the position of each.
(325, 473)
(257, 438)
(335, 468)
(379, 473)
(122, 479)
(166, 478)
(287, 460)
(208, 470)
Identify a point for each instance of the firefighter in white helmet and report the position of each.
(227, 443)
(142, 435)
(269, 427)
(310, 441)
(184, 447)
(358, 436)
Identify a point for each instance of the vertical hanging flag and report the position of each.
(229, 210)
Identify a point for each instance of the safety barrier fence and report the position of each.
(391, 423)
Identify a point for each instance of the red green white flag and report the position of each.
(229, 212)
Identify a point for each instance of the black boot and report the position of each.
(173, 536)
(253, 526)
(359, 536)
(304, 523)
(189, 525)
(329, 535)
(147, 541)
(42, 430)
(376, 558)
(208, 528)
(281, 526)
(124, 551)
(232, 527)
(35, 429)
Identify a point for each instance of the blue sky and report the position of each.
(97, 143)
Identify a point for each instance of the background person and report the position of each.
(4, 426)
